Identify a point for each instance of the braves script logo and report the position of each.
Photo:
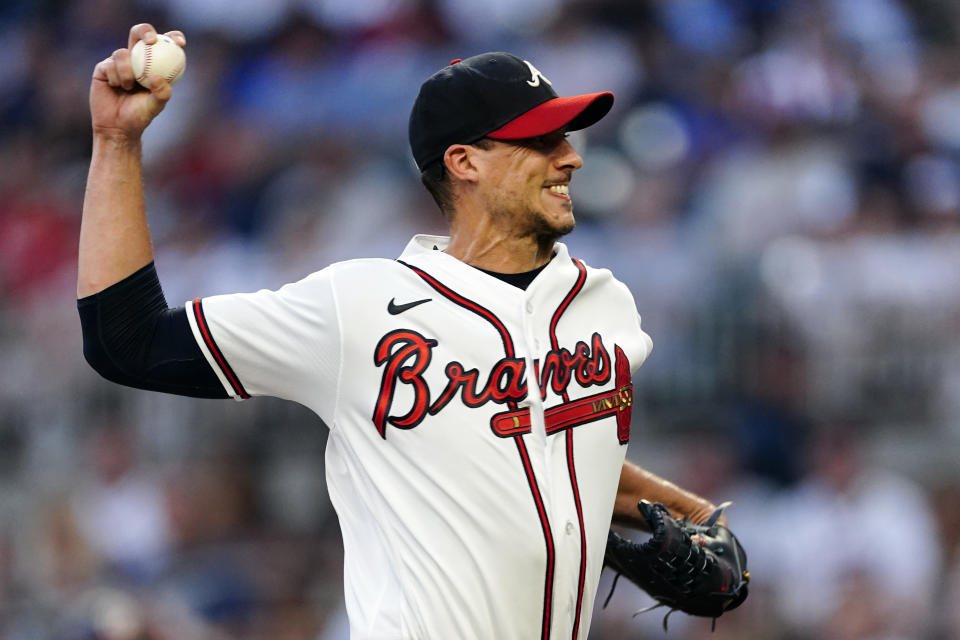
(405, 356)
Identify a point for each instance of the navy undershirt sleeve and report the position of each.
(131, 336)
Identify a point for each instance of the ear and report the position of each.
(461, 162)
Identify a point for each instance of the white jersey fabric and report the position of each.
(477, 430)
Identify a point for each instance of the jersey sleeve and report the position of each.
(644, 346)
(283, 343)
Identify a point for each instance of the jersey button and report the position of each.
(529, 307)
(569, 528)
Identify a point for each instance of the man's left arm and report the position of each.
(638, 484)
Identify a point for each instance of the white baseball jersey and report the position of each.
(477, 430)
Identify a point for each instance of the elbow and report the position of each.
(117, 324)
(100, 360)
(97, 351)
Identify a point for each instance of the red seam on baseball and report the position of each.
(174, 72)
(147, 48)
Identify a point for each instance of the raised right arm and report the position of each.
(114, 237)
(130, 335)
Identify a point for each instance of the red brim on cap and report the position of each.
(572, 112)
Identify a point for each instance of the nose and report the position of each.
(566, 157)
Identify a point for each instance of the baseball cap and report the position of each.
(494, 95)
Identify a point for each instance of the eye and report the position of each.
(547, 142)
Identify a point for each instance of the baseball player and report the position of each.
(477, 389)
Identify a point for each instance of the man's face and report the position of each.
(526, 184)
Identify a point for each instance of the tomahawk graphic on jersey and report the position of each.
(463, 411)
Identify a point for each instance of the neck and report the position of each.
(487, 247)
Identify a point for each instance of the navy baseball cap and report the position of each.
(493, 95)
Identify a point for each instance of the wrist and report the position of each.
(116, 138)
(701, 512)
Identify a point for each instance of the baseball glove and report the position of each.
(698, 569)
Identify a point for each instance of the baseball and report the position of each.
(162, 58)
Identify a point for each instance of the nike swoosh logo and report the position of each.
(393, 308)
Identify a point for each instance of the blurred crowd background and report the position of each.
(778, 183)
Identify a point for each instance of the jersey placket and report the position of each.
(555, 483)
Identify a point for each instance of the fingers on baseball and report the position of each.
(143, 31)
(107, 71)
(122, 69)
(177, 36)
(160, 90)
(102, 70)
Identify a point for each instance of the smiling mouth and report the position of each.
(560, 190)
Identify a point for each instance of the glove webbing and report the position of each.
(680, 573)
(700, 562)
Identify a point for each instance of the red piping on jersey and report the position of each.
(545, 524)
(574, 486)
(215, 350)
(583, 534)
(489, 316)
(574, 290)
(470, 305)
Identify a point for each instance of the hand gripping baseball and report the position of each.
(698, 569)
(118, 104)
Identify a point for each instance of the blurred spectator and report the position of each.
(865, 553)
(121, 510)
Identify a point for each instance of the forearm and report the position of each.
(114, 237)
(639, 484)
